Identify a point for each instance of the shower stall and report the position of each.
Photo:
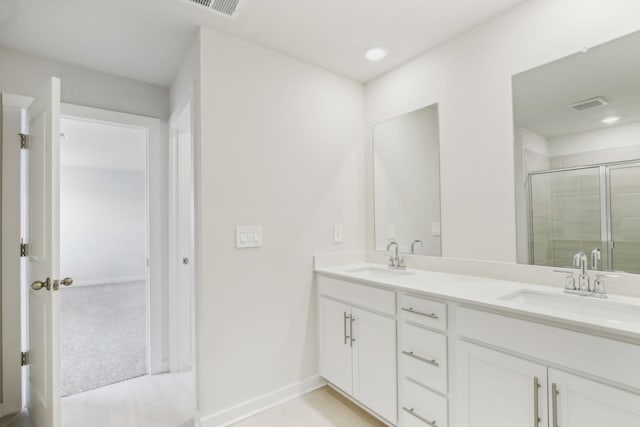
(585, 209)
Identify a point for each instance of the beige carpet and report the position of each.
(103, 335)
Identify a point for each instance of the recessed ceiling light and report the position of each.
(375, 54)
(610, 120)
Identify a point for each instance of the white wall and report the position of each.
(103, 221)
(470, 78)
(601, 139)
(407, 180)
(26, 75)
(281, 146)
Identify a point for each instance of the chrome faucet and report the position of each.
(583, 287)
(413, 246)
(580, 261)
(595, 258)
(396, 261)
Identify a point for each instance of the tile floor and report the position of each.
(164, 400)
(321, 408)
(144, 402)
(17, 420)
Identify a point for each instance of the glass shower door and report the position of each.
(566, 215)
(624, 199)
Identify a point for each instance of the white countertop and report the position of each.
(487, 293)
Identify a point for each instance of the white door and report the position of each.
(335, 343)
(374, 362)
(181, 217)
(582, 403)
(499, 390)
(43, 259)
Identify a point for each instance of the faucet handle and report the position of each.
(392, 261)
(569, 280)
(599, 290)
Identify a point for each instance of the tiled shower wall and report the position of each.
(625, 218)
(575, 214)
(567, 216)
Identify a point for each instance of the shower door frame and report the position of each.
(606, 234)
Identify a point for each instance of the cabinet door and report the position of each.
(335, 343)
(374, 363)
(498, 390)
(583, 403)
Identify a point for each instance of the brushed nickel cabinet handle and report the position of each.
(554, 402)
(344, 323)
(420, 417)
(536, 391)
(433, 362)
(353, 319)
(430, 315)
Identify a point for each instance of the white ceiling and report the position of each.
(102, 146)
(147, 39)
(542, 96)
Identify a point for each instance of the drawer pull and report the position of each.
(430, 315)
(420, 417)
(433, 362)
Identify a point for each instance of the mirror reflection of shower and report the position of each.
(577, 159)
(586, 209)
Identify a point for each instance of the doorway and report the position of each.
(165, 397)
(104, 245)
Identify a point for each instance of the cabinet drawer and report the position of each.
(425, 312)
(424, 357)
(370, 297)
(422, 407)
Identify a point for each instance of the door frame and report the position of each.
(156, 293)
(13, 337)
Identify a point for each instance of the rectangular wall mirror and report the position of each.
(406, 156)
(577, 158)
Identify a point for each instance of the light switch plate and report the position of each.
(391, 231)
(337, 233)
(435, 229)
(248, 236)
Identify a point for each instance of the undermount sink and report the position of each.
(601, 310)
(378, 272)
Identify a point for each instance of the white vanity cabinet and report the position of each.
(498, 389)
(423, 362)
(357, 348)
(579, 402)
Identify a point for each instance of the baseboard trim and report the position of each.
(261, 403)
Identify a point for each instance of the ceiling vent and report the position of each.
(589, 103)
(228, 8)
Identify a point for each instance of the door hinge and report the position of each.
(25, 358)
(24, 141)
(24, 249)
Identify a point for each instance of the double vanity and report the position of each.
(419, 348)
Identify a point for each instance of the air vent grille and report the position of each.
(225, 7)
(589, 103)
(228, 7)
